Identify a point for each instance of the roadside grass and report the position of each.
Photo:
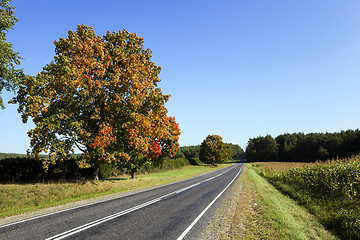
(238, 216)
(255, 209)
(330, 191)
(282, 216)
(23, 198)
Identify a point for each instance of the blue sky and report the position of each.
(239, 69)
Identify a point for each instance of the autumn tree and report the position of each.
(9, 75)
(213, 150)
(99, 95)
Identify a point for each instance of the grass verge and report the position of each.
(329, 190)
(283, 216)
(22, 198)
(263, 212)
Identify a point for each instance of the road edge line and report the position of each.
(187, 230)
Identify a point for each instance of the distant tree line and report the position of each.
(192, 152)
(188, 152)
(24, 168)
(300, 147)
(236, 152)
(12, 155)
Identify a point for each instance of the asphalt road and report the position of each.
(179, 210)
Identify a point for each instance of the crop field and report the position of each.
(329, 190)
(279, 166)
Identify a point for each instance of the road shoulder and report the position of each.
(254, 209)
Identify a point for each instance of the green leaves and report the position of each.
(99, 95)
(262, 149)
(9, 75)
(213, 150)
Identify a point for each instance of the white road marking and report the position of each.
(102, 220)
(105, 200)
(110, 217)
(204, 211)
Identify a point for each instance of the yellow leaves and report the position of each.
(102, 93)
(44, 109)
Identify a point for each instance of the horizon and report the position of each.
(234, 69)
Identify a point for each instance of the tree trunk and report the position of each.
(132, 173)
(96, 172)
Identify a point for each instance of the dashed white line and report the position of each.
(101, 201)
(110, 217)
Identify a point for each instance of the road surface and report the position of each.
(179, 210)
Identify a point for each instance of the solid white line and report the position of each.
(100, 221)
(110, 217)
(203, 212)
(105, 200)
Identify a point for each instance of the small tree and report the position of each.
(213, 150)
(9, 76)
(99, 95)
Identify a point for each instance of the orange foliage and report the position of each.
(100, 95)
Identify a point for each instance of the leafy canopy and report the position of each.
(262, 149)
(9, 76)
(213, 150)
(99, 95)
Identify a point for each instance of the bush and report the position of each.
(20, 169)
(175, 163)
(24, 169)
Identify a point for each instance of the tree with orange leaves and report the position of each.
(99, 95)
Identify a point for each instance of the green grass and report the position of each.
(21, 198)
(330, 191)
(280, 216)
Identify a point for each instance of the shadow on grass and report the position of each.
(116, 179)
(194, 161)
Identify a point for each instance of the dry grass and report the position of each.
(247, 221)
(280, 166)
(21, 198)
(283, 166)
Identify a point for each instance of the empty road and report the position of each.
(174, 211)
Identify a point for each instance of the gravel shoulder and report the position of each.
(237, 214)
(254, 209)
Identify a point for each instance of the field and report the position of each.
(329, 190)
(279, 166)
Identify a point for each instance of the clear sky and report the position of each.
(236, 68)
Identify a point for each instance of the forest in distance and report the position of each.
(300, 147)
